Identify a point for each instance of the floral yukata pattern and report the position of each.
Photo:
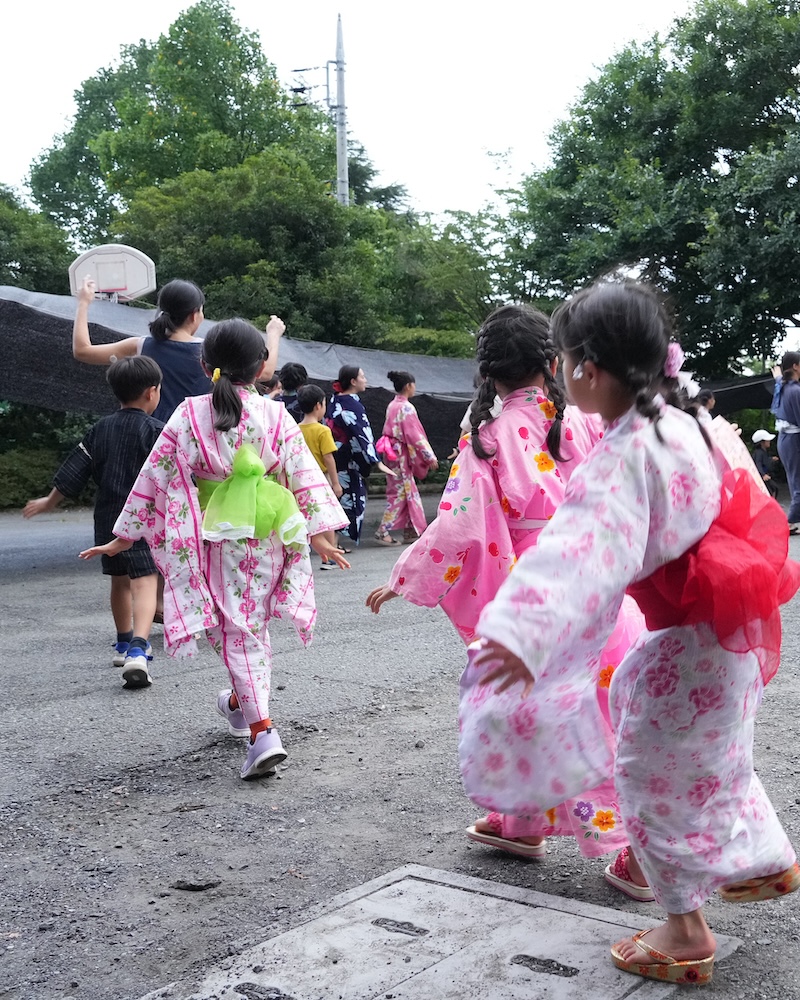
(682, 706)
(355, 456)
(229, 589)
(492, 510)
(415, 457)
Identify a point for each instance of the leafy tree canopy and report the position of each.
(262, 237)
(680, 162)
(34, 253)
(201, 97)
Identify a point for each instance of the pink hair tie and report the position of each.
(675, 359)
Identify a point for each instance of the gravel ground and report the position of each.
(132, 854)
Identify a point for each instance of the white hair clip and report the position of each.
(577, 371)
(688, 384)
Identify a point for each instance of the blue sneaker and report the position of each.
(263, 754)
(237, 726)
(121, 652)
(136, 674)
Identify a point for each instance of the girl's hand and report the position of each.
(337, 490)
(87, 290)
(109, 549)
(378, 598)
(387, 470)
(508, 669)
(328, 551)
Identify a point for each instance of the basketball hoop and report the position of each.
(120, 273)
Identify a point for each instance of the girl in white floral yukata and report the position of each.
(656, 511)
(234, 548)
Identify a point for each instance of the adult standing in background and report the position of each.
(786, 410)
(172, 343)
(405, 448)
(355, 445)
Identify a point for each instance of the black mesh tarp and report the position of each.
(38, 367)
(36, 340)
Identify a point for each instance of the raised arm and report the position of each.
(275, 330)
(82, 347)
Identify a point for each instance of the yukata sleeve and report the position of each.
(362, 443)
(303, 476)
(76, 470)
(465, 555)
(162, 508)
(560, 604)
(414, 435)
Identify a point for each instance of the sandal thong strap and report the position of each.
(659, 956)
(495, 823)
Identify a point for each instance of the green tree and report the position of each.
(34, 253)
(263, 237)
(663, 169)
(203, 96)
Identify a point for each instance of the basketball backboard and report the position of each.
(116, 269)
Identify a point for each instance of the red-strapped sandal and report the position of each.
(618, 875)
(495, 839)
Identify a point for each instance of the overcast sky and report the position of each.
(432, 87)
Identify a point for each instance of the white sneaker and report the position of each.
(136, 674)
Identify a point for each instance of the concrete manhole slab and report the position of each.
(431, 935)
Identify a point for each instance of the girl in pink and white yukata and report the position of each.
(654, 510)
(233, 549)
(503, 489)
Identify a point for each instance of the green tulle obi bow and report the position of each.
(246, 505)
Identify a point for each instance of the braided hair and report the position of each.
(623, 327)
(514, 347)
(238, 350)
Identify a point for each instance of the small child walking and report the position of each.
(654, 511)
(318, 437)
(234, 550)
(112, 453)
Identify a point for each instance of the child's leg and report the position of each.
(241, 580)
(121, 605)
(144, 594)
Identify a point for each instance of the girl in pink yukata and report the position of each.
(654, 510)
(406, 450)
(502, 491)
(234, 550)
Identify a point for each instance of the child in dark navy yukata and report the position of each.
(112, 453)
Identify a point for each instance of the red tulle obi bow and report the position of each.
(735, 578)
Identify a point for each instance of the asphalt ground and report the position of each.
(132, 855)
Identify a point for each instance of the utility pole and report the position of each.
(342, 176)
(337, 106)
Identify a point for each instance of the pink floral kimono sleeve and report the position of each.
(163, 509)
(409, 429)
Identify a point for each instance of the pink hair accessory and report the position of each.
(675, 359)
